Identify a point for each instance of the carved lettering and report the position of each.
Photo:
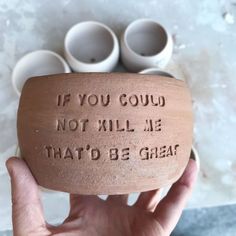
(95, 154)
(71, 124)
(152, 125)
(119, 154)
(115, 125)
(164, 151)
(114, 153)
(63, 99)
(94, 99)
(141, 100)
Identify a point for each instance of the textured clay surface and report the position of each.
(105, 133)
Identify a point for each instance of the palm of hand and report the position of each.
(92, 216)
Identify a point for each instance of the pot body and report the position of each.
(105, 133)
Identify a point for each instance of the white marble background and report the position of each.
(205, 54)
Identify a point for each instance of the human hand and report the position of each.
(91, 216)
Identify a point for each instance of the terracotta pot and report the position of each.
(105, 133)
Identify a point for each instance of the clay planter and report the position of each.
(105, 133)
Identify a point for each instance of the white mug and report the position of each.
(36, 63)
(144, 44)
(91, 47)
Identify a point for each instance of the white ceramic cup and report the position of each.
(156, 71)
(36, 63)
(91, 47)
(144, 44)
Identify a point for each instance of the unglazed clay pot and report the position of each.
(105, 133)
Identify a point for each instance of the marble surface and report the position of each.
(205, 43)
(207, 221)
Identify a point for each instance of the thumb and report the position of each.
(27, 212)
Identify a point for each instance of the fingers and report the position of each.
(169, 210)
(78, 202)
(27, 213)
(148, 200)
(119, 199)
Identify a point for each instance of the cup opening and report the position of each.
(146, 38)
(90, 43)
(36, 64)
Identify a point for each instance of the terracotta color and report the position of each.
(117, 159)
